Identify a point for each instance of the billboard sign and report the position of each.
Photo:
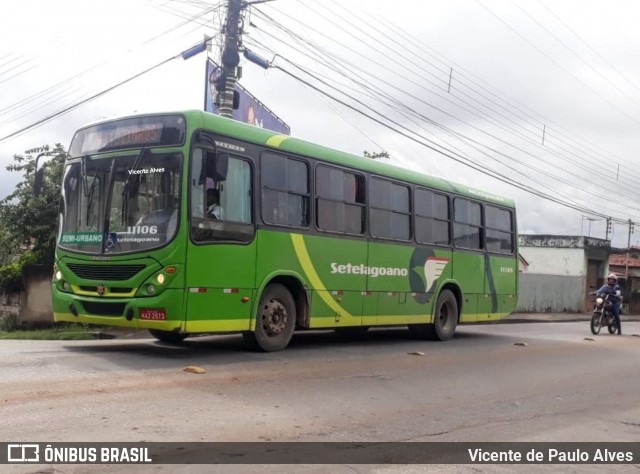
(250, 111)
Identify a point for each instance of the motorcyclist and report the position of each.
(612, 288)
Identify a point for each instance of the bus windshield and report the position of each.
(120, 204)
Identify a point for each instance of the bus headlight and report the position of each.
(158, 282)
(58, 275)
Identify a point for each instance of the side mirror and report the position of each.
(216, 166)
(221, 166)
(37, 182)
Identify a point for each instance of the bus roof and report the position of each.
(242, 131)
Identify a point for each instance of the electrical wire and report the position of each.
(549, 164)
(625, 221)
(82, 102)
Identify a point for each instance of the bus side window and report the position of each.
(340, 200)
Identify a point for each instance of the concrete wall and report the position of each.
(550, 293)
(36, 302)
(555, 261)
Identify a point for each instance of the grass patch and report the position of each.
(71, 332)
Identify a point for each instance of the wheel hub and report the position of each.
(274, 317)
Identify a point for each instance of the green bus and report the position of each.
(189, 223)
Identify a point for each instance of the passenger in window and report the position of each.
(214, 210)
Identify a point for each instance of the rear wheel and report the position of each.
(275, 321)
(596, 323)
(170, 337)
(445, 319)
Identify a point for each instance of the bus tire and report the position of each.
(446, 316)
(170, 337)
(444, 322)
(275, 320)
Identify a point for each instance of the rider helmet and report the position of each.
(612, 278)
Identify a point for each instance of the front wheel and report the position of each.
(596, 323)
(613, 327)
(170, 337)
(275, 321)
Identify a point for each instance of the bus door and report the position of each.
(469, 256)
(501, 264)
(339, 254)
(221, 255)
(390, 253)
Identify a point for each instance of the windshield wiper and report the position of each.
(83, 171)
(91, 194)
(125, 189)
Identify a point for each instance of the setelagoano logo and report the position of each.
(365, 270)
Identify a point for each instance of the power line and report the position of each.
(576, 55)
(298, 39)
(82, 102)
(558, 65)
(523, 112)
(579, 188)
(399, 130)
(625, 78)
(38, 100)
(475, 112)
(563, 150)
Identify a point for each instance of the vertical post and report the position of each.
(230, 57)
(450, 75)
(626, 266)
(544, 132)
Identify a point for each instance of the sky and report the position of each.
(541, 94)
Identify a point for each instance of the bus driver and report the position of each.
(214, 210)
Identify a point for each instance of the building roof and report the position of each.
(620, 260)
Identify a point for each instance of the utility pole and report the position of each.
(626, 267)
(230, 57)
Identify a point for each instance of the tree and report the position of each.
(376, 154)
(29, 223)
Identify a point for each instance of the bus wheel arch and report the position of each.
(281, 304)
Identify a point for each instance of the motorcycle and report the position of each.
(603, 314)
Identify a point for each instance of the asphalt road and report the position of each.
(548, 382)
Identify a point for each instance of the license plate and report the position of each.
(154, 314)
